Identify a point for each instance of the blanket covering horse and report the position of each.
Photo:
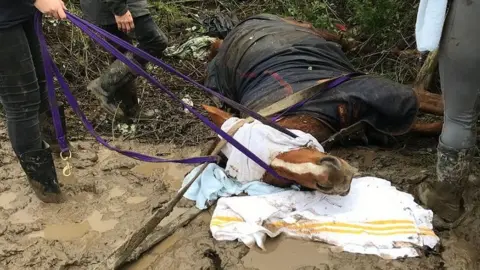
(264, 59)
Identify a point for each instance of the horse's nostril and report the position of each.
(331, 160)
(323, 187)
(345, 193)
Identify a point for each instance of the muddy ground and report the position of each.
(110, 195)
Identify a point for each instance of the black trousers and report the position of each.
(22, 86)
(149, 36)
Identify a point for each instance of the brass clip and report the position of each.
(67, 170)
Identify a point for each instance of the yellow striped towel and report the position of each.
(374, 218)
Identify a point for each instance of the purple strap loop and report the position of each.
(82, 24)
(96, 34)
(52, 70)
(59, 132)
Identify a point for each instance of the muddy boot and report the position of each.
(105, 87)
(48, 130)
(444, 195)
(129, 100)
(40, 170)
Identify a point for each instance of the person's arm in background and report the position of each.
(123, 17)
(55, 8)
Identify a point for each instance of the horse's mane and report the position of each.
(214, 48)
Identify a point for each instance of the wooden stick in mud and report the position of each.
(343, 132)
(425, 75)
(122, 253)
(156, 237)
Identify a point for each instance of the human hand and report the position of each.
(55, 8)
(125, 22)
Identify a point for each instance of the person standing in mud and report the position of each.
(459, 62)
(121, 18)
(23, 92)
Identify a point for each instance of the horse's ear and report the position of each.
(217, 115)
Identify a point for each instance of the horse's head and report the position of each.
(306, 166)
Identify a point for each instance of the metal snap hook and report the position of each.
(67, 170)
(67, 157)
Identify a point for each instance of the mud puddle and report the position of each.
(187, 247)
(110, 195)
(286, 253)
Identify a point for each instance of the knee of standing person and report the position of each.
(460, 126)
(22, 111)
(22, 106)
(160, 41)
(150, 37)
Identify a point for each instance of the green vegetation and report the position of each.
(380, 28)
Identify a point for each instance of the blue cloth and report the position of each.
(213, 183)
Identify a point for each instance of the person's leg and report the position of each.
(459, 64)
(149, 36)
(21, 99)
(117, 83)
(113, 29)
(151, 40)
(45, 116)
(114, 77)
(126, 95)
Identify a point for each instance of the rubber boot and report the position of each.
(40, 170)
(128, 95)
(444, 196)
(129, 100)
(48, 130)
(106, 86)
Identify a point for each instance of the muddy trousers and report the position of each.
(459, 63)
(150, 38)
(24, 99)
(117, 83)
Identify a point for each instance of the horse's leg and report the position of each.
(428, 129)
(307, 124)
(429, 102)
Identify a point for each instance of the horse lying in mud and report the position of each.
(266, 58)
(301, 161)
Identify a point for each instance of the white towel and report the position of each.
(375, 218)
(265, 142)
(430, 20)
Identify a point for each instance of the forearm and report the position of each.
(117, 7)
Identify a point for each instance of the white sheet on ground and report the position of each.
(375, 218)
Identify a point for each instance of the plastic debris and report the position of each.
(197, 47)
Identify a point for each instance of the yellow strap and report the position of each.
(293, 99)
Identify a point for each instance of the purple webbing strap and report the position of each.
(70, 98)
(59, 132)
(50, 70)
(82, 24)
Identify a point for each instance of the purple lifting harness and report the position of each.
(96, 33)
